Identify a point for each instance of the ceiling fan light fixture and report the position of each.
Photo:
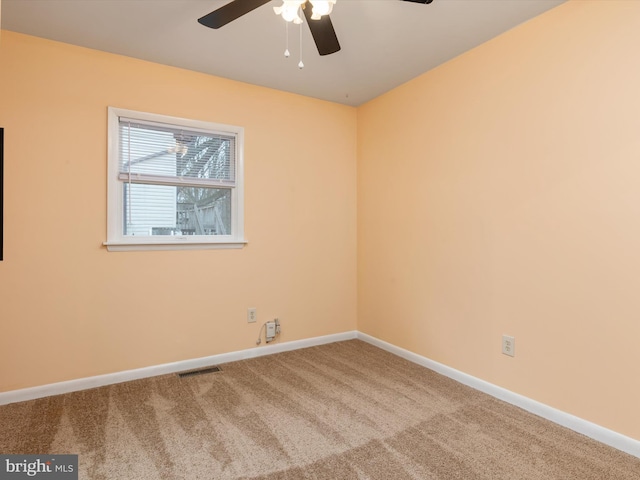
(290, 10)
(321, 8)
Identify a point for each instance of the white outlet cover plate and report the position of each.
(509, 345)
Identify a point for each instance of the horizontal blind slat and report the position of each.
(174, 181)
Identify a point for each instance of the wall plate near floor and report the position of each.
(509, 345)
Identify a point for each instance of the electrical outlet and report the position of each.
(252, 315)
(508, 345)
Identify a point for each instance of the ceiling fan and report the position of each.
(319, 22)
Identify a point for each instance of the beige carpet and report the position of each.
(341, 411)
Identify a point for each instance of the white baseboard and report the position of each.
(596, 432)
(128, 375)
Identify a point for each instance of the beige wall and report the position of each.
(70, 309)
(500, 194)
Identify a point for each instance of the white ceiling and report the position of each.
(384, 42)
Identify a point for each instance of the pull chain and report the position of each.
(286, 50)
(300, 65)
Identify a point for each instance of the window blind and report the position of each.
(162, 154)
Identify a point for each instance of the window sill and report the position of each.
(124, 246)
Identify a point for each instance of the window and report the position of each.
(173, 183)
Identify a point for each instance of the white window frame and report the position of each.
(117, 241)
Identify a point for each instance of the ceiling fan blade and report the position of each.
(229, 12)
(322, 31)
(419, 1)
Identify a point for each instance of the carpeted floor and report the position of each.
(346, 410)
